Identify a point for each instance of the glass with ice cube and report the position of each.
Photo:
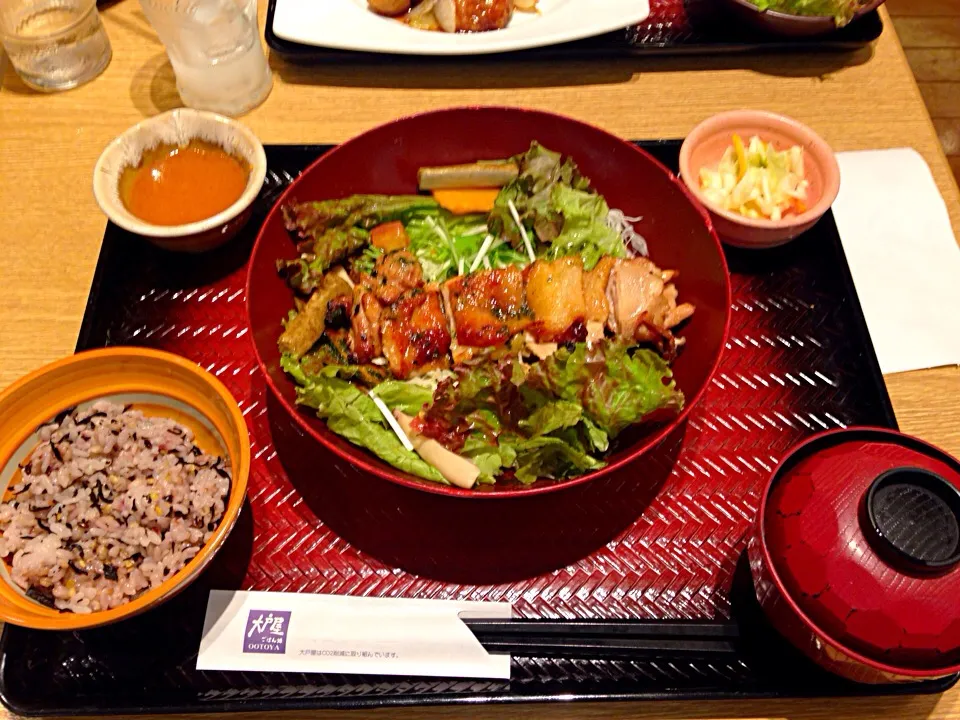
(54, 44)
(214, 48)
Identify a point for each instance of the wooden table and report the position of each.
(50, 228)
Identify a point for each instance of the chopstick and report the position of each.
(607, 639)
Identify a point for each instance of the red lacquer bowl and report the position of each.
(386, 160)
(856, 555)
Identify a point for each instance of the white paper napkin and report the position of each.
(903, 256)
(302, 632)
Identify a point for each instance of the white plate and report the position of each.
(349, 25)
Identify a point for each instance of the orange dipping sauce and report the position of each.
(175, 185)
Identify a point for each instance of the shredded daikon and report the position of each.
(523, 232)
(475, 230)
(441, 231)
(757, 180)
(392, 422)
(623, 224)
(482, 255)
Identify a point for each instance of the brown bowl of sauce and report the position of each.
(185, 180)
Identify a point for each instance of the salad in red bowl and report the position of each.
(491, 321)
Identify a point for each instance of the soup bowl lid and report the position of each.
(862, 529)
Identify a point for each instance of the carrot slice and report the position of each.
(461, 201)
(389, 236)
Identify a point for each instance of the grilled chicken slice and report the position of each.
(307, 327)
(414, 333)
(550, 302)
(338, 311)
(473, 15)
(555, 294)
(365, 325)
(394, 274)
(595, 297)
(487, 307)
(643, 301)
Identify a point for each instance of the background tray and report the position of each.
(674, 27)
(666, 547)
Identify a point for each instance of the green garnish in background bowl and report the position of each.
(842, 11)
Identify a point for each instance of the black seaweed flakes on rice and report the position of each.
(42, 595)
(61, 416)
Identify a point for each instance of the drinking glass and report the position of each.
(54, 44)
(214, 48)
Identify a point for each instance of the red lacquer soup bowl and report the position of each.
(856, 555)
(386, 160)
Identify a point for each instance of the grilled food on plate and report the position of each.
(504, 325)
(453, 15)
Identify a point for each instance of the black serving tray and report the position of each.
(147, 664)
(674, 27)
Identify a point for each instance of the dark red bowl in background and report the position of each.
(855, 555)
(386, 159)
(779, 23)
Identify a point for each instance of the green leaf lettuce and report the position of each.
(351, 413)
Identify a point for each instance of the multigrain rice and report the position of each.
(108, 505)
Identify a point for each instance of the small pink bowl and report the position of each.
(705, 146)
